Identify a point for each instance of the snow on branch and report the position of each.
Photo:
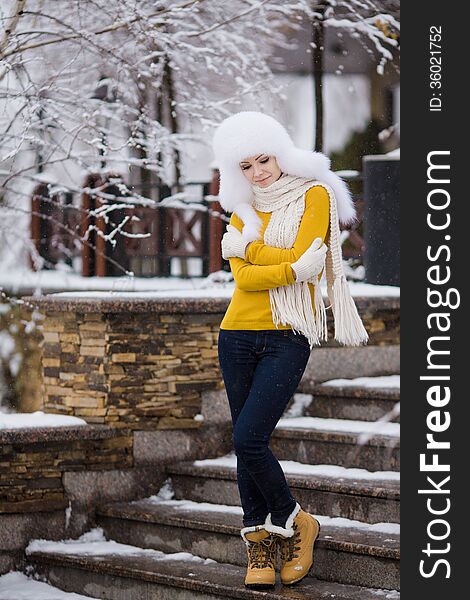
(118, 86)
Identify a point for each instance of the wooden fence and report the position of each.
(149, 238)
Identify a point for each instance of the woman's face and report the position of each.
(262, 170)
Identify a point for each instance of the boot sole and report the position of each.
(260, 586)
(313, 548)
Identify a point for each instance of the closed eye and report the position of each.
(263, 160)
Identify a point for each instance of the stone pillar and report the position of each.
(137, 364)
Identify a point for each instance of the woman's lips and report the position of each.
(265, 179)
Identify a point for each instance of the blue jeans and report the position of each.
(261, 371)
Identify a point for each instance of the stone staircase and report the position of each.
(352, 489)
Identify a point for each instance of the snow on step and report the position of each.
(391, 528)
(191, 505)
(37, 419)
(215, 580)
(299, 404)
(94, 543)
(341, 425)
(292, 467)
(19, 586)
(382, 381)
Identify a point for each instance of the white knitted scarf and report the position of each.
(292, 304)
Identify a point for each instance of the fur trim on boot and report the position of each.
(288, 530)
(261, 549)
(250, 529)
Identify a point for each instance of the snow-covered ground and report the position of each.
(218, 284)
(18, 586)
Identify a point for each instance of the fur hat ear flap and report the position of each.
(344, 202)
(234, 188)
(303, 163)
(252, 223)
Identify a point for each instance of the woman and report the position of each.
(284, 230)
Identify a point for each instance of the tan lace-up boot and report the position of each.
(261, 549)
(296, 543)
(297, 551)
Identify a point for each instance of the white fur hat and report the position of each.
(249, 133)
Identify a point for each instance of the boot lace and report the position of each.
(289, 546)
(262, 554)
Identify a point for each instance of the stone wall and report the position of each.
(32, 462)
(144, 364)
(53, 478)
(142, 370)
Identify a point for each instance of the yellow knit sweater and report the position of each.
(266, 267)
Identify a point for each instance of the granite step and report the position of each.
(325, 490)
(349, 401)
(338, 442)
(346, 552)
(130, 577)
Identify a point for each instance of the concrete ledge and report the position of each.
(170, 305)
(43, 435)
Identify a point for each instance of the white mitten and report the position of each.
(233, 243)
(311, 262)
